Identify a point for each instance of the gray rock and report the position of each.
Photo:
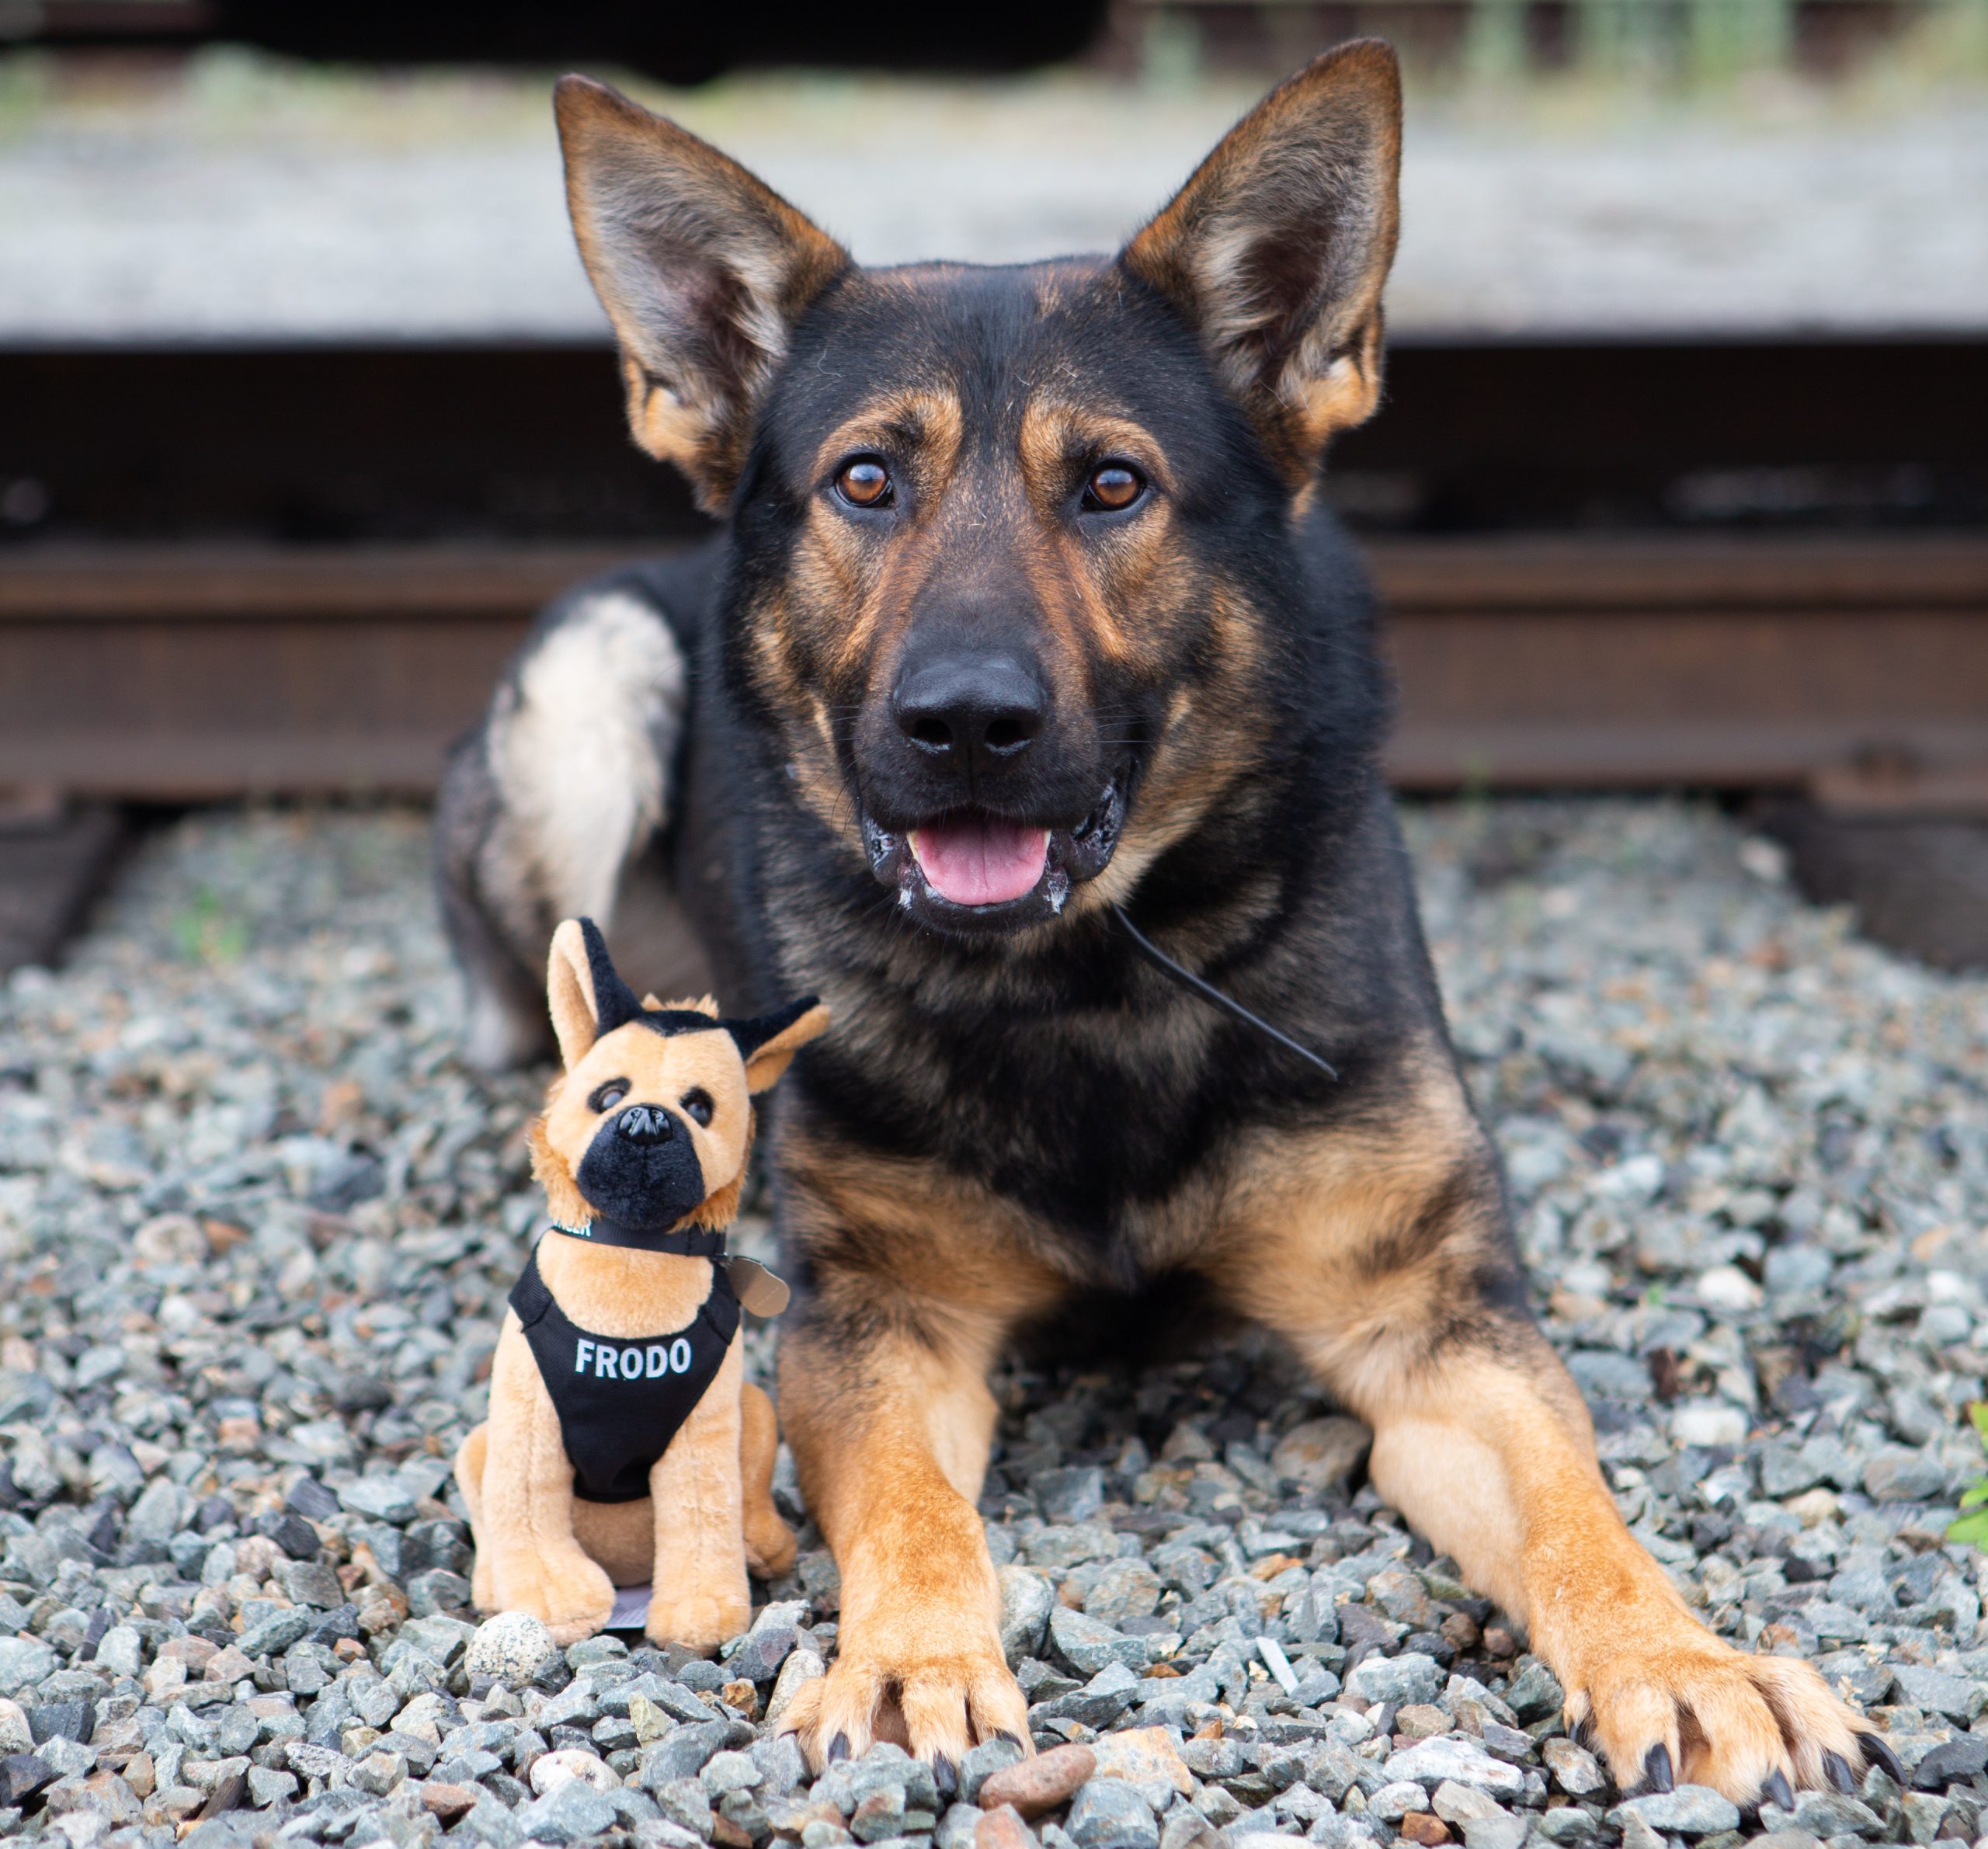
(1125, 1589)
(1089, 1645)
(1071, 1495)
(1411, 1676)
(1569, 1825)
(1430, 1762)
(979, 1762)
(121, 1651)
(383, 1498)
(275, 1634)
(1108, 1813)
(24, 1661)
(436, 1590)
(570, 1812)
(1639, 1834)
(958, 1827)
(1690, 1810)
(1827, 1814)
(1534, 1692)
(1027, 1598)
(1458, 1803)
(765, 1647)
(1955, 1696)
(681, 1801)
(1097, 1704)
(155, 1518)
(1605, 1373)
(1574, 1769)
(1321, 1452)
(686, 1751)
(312, 1582)
(729, 1771)
(268, 1785)
(1502, 1832)
(1898, 1474)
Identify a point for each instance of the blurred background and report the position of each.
(304, 402)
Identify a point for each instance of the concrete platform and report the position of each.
(244, 201)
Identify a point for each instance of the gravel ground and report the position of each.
(258, 1223)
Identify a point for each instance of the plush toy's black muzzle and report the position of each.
(642, 1169)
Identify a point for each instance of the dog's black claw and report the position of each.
(1657, 1775)
(1776, 1790)
(1877, 1754)
(837, 1748)
(1837, 1770)
(946, 1776)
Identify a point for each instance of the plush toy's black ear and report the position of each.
(615, 1003)
(768, 1042)
(587, 997)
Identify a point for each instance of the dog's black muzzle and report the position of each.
(642, 1169)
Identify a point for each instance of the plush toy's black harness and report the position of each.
(621, 1399)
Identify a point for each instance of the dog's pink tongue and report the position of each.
(979, 860)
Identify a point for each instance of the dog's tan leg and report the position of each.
(769, 1541)
(917, 1279)
(469, 1479)
(1389, 1269)
(891, 1434)
(701, 1596)
(535, 1564)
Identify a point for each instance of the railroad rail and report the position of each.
(1851, 668)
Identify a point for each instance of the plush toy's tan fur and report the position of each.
(709, 1512)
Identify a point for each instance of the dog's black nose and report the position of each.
(644, 1124)
(971, 712)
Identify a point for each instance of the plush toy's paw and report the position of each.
(770, 1543)
(483, 1582)
(936, 1689)
(1666, 1702)
(573, 1596)
(697, 1620)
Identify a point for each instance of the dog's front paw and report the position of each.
(699, 1621)
(1667, 1703)
(934, 1686)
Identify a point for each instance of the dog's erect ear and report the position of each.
(1278, 246)
(587, 997)
(701, 269)
(768, 1042)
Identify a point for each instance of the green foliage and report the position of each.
(1972, 1525)
(206, 932)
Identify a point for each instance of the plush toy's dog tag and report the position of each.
(756, 1288)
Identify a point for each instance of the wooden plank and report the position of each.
(50, 868)
(194, 671)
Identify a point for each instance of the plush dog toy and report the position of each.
(624, 1444)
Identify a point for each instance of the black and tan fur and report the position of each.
(1017, 1109)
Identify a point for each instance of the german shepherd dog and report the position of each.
(1025, 609)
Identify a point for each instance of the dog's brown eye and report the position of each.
(697, 1106)
(607, 1096)
(864, 483)
(1113, 487)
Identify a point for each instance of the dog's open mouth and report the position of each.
(971, 872)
